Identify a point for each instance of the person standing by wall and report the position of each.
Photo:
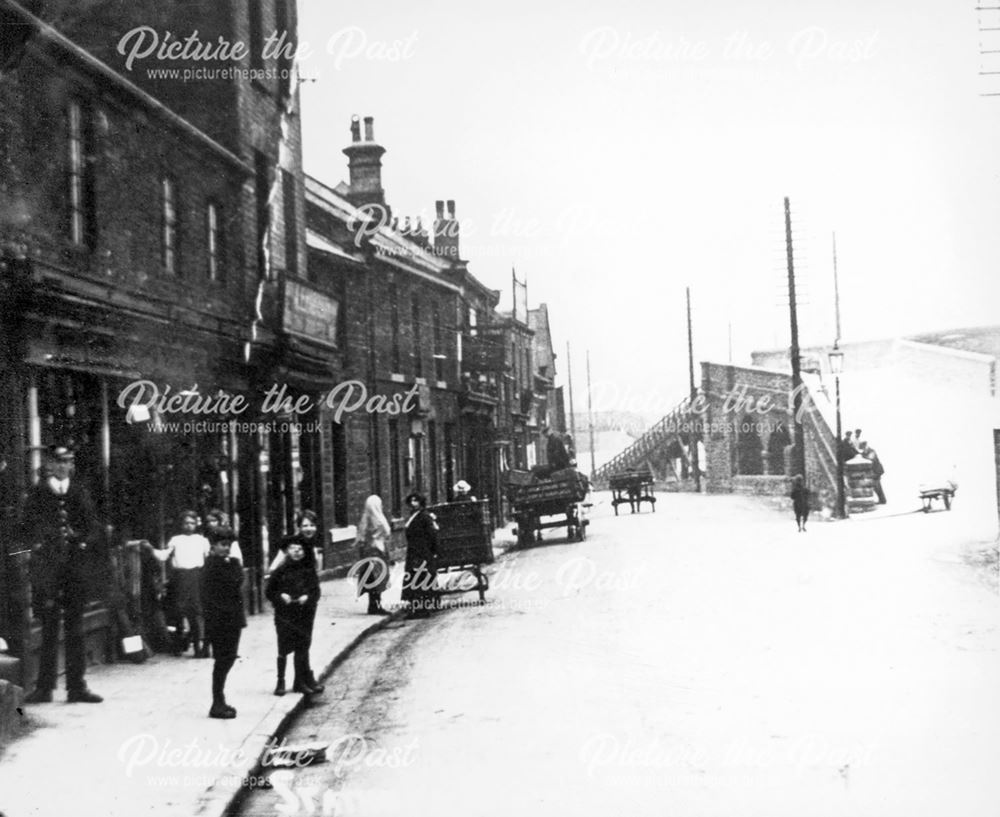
(60, 527)
(373, 551)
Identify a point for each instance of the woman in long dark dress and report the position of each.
(421, 551)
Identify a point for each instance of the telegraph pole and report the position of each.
(693, 396)
(590, 416)
(800, 443)
(569, 374)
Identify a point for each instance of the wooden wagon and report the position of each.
(465, 544)
(633, 488)
(944, 491)
(561, 497)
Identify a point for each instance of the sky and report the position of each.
(616, 154)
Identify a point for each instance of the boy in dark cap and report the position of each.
(222, 606)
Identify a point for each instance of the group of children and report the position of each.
(206, 590)
(207, 586)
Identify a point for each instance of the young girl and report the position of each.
(222, 596)
(293, 589)
(188, 549)
(373, 549)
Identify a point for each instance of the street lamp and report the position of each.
(836, 367)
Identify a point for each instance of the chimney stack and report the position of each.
(364, 161)
(446, 231)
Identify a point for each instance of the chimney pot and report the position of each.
(355, 129)
(451, 208)
(406, 224)
(439, 207)
(369, 129)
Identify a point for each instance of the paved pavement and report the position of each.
(150, 748)
(705, 660)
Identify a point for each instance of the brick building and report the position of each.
(147, 231)
(396, 407)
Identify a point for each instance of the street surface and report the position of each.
(703, 660)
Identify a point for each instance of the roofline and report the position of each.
(53, 37)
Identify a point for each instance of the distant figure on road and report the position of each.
(877, 471)
(800, 501)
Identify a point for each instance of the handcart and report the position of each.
(632, 487)
(562, 495)
(944, 491)
(465, 543)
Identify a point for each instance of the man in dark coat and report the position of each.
(877, 471)
(60, 527)
(421, 552)
(556, 453)
(225, 618)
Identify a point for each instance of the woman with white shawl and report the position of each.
(372, 571)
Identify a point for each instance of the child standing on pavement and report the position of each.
(222, 595)
(188, 550)
(293, 589)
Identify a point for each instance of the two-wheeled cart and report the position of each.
(465, 544)
(632, 488)
(561, 498)
(943, 491)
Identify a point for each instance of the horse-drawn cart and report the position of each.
(465, 543)
(633, 488)
(561, 495)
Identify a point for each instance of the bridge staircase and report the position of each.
(653, 452)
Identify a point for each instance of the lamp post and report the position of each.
(836, 367)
